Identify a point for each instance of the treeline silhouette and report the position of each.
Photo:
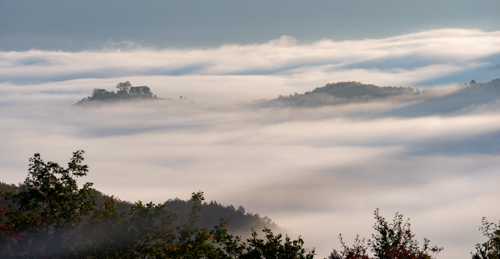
(50, 216)
(466, 98)
(423, 103)
(125, 93)
(238, 219)
(342, 93)
(420, 102)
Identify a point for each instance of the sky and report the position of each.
(317, 171)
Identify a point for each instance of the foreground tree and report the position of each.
(54, 218)
(391, 240)
(273, 248)
(491, 248)
(39, 220)
(357, 251)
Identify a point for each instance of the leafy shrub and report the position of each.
(391, 240)
(491, 248)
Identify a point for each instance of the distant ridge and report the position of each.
(412, 102)
(409, 102)
(467, 98)
(125, 93)
(210, 215)
(341, 93)
(359, 91)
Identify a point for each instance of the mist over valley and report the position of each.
(309, 116)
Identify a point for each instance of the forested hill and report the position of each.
(210, 215)
(125, 92)
(466, 98)
(341, 93)
(51, 216)
(411, 102)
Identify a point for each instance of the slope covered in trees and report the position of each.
(412, 102)
(342, 93)
(465, 98)
(211, 212)
(125, 92)
(50, 216)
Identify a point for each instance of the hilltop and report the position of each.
(125, 92)
(343, 93)
(409, 101)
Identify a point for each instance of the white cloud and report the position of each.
(417, 57)
(316, 172)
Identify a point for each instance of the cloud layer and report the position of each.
(315, 171)
(426, 58)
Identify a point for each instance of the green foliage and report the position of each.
(212, 211)
(109, 234)
(54, 218)
(273, 248)
(141, 91)
(391, 240)
(491, 248)
(395, 240)
(50, 216)
(38, 220)
(357, 251)
(342, 93)
(124, 86)
(125, 92)
(4, 187)
(101, 199)
(52, 191)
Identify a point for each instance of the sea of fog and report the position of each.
(316, 171)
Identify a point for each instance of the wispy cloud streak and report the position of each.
(407, 59)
